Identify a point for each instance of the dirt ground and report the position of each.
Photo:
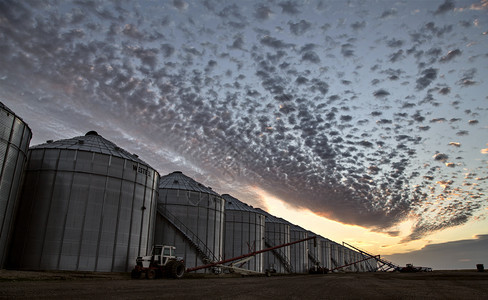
(79, 285)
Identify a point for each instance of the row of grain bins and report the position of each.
(15, 136)
(88, 205)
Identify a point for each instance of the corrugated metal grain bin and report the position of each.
(340, 256)
(371, 265)
(299, 251)
(244, 232)
(315, 251)
(348, 260)
(325, 253)
(15, 136)
(191, 217)
(86, 205)
(277, 232)
(334, 255)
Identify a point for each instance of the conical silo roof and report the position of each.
(4, 107)
(296, 227)
(235, 204)
(271, 218)
(179, 181)
(92, 142)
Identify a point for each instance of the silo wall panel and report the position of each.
(325, 254)
(299, 251)
(80, 218)
(340, 251)
(244, 233)
(277, 234)
(199, 213)
(334, 255)
(315, 250)
(15, 136)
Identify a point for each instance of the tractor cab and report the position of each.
(161, 254)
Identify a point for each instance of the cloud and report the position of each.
(394, 58)
(274, 43)
(300, 27)
(456, 255)
(450, 55)
(441, 156)
(180, 4)
(467, 78)
(381, 93)
(445, 7)
(234, 104)
(389, 13)
(428, 75)
(311, 57)
(263, 12)
(167, 49)
(358, 25)
(445, 91)
(289, 7)
(394, 43)
(347, 50)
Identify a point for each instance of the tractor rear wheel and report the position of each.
(135, 274)
(176, 269)
(150, 274)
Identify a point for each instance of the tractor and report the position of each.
(161, 263)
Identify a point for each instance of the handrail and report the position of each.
(313, 259)
(199, 244)
(377, 257)
(281, 256)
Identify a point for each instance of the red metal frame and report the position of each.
(353, 263)
(247, 255)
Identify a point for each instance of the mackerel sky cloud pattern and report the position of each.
(368, 113)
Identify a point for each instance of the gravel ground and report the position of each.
(82, 285)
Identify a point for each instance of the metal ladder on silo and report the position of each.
(205, 253)
(334, 262)
(313, 259)
(383, 261)
(281, 256)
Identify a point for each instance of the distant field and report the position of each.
(461, 284)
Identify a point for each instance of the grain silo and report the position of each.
(319, 252)
(190, 217)
(371, 265)
(314, 251)
(86, 205)
(325, 252)
(244, 232)
(277, 232)
(334, 255)
(340, 256)
(348, 259)
(360, 266)
(14, 143)
(299, 251)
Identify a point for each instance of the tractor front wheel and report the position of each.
(150, 274)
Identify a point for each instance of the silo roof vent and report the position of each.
(92, 132)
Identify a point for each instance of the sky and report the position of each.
(362, 121)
